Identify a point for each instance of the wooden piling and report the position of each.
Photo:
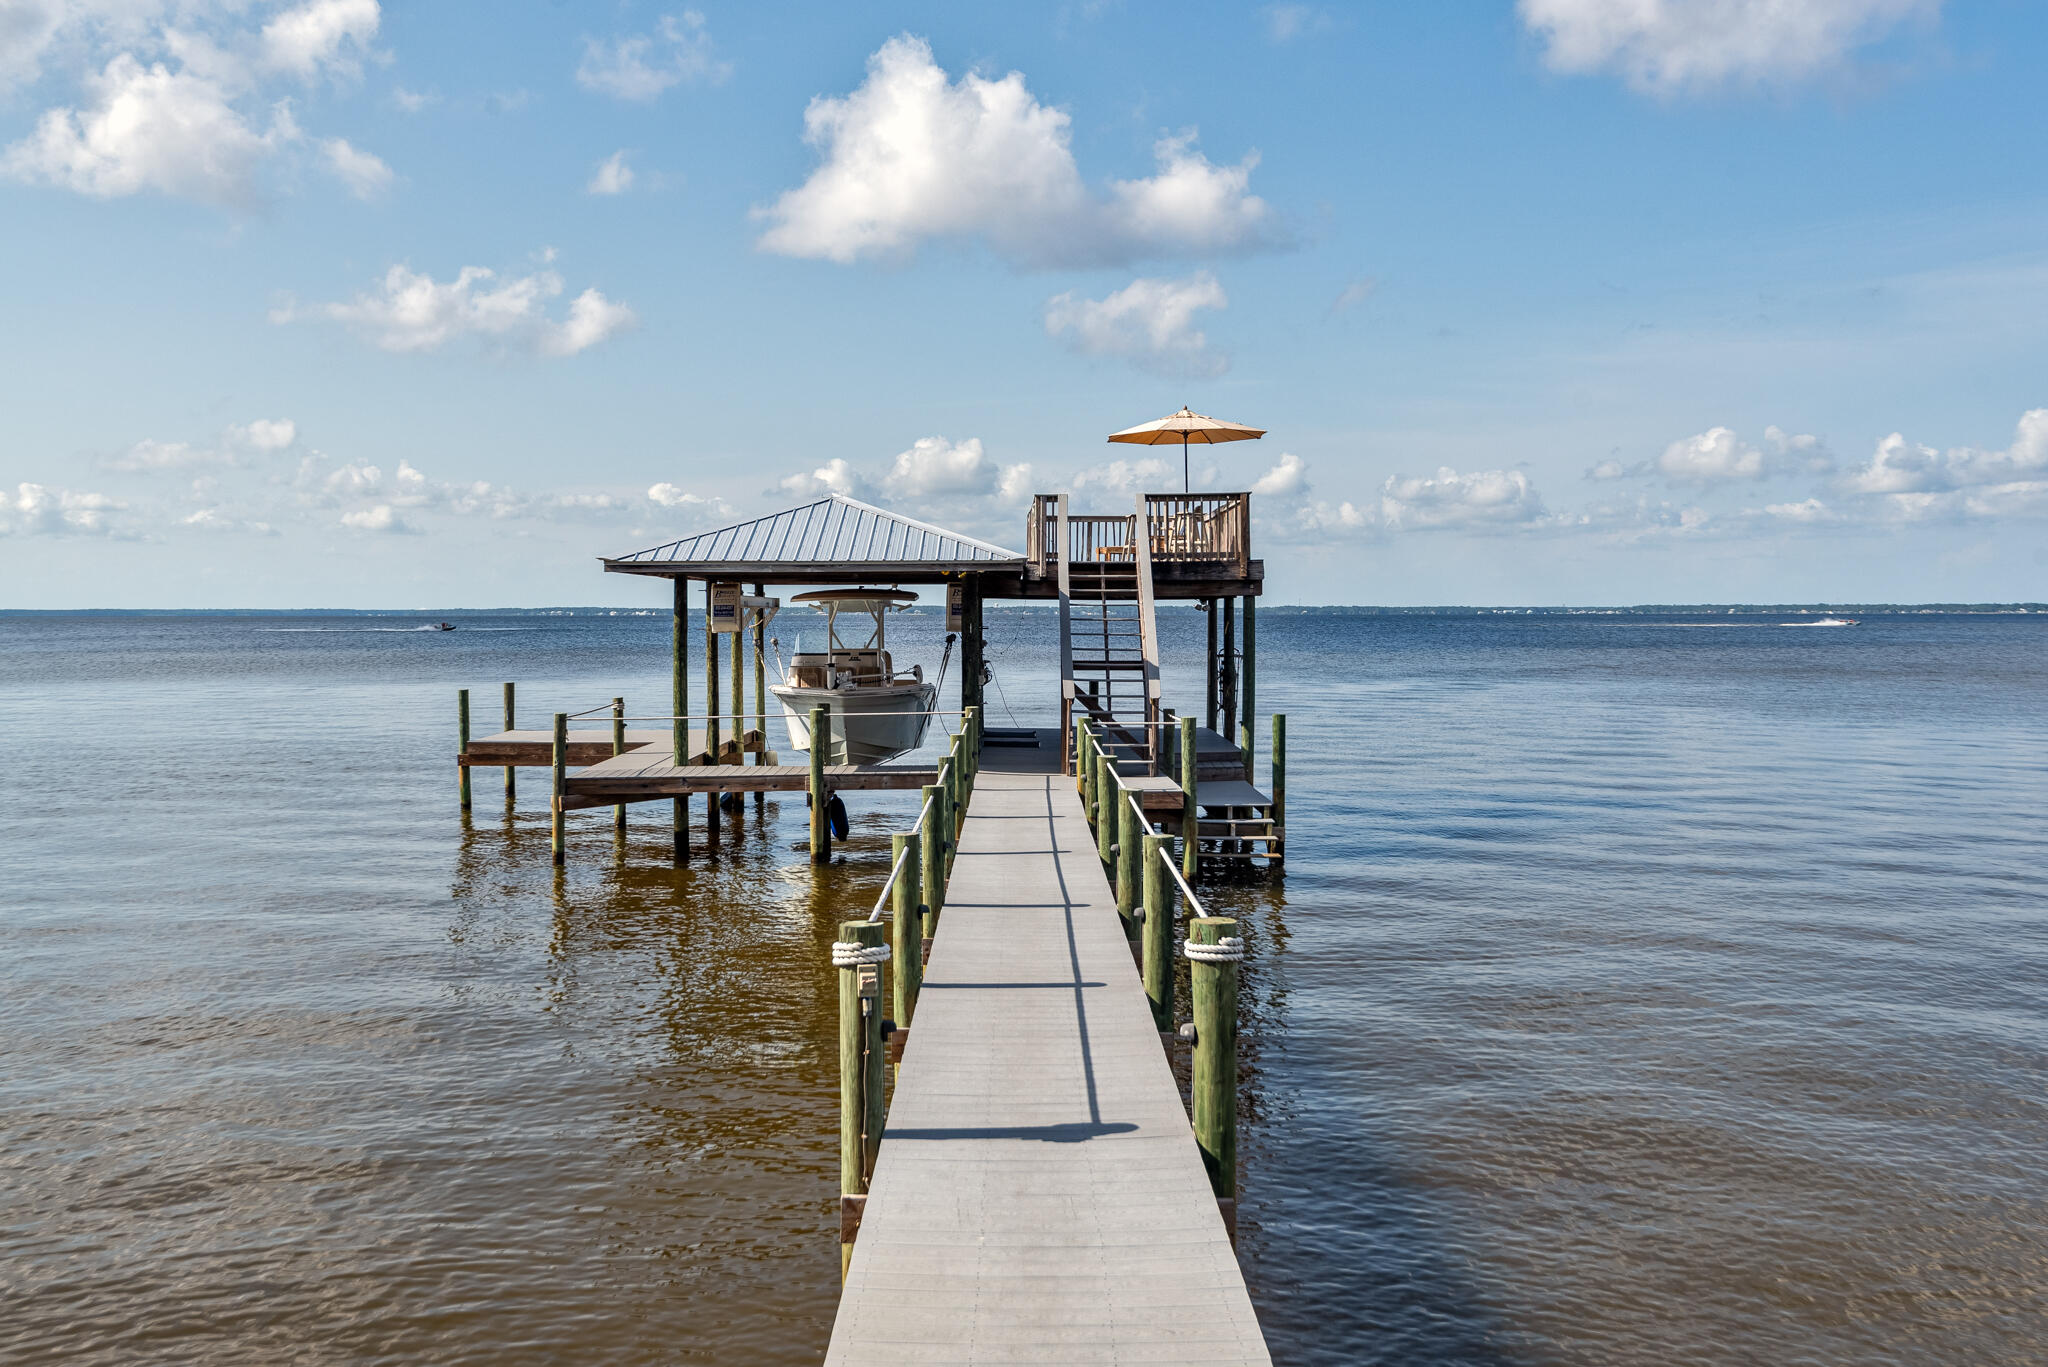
(1226, 703)
(1190, 813)
(1249, 682)
(1130, 830)
(949, 827)
(1212, 989)
(1157, 931)
(860, 1061)
(761, 689)
(561, 774)
(511, 771)
(1084, 769)
(821, 827)
(1108, 792)
(711, 720)
(1279, 780)
(907, 943)
(679, 725)
(739, 691)
(619, 748)
(462, 742)
(933, 851)
(1209, 715)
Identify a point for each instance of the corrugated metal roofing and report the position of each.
(836, 530)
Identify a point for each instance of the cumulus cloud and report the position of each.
(1715, 454)
(1914, 481)
(40, 510)
(267, 435)
(172, 101)
(835, 476)
(364, 173)
(612, 177)
(1287, 479)
(912, 156)
(411, 311)
(1447, 499)
(150, 128)
(323, 35)
(1125, 477)
(640, 68)
(1149, 322)
(1807, 510)
(1670, 47)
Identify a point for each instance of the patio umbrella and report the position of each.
(1184, 427)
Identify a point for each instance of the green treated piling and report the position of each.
(511, 779)
(908, 940)
(1190, 824)
(462, 742)
(821, 828)
(561, 774)
(619, 748)
(933, 851)
(1157, 932)
(860, 1067)
(1130, 830)
(1212, 988)
(1279, 779)
(713, 733)
(1108, 792)
(1084, 765)
(761, 688)
(948, 831)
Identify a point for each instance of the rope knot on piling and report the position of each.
(852, 954)
(1228, 950)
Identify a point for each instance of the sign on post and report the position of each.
(956, 607)
(725, 607)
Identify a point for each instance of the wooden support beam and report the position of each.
(907, 961)
(679, 700)
(1157, 930)
(1211, 673)
(1278, 844)
(557, 825)
(619, 748)
(1250, 683)
(711, 728)
(821, 827)
(1190, 834)
(1130, 832)
(933, 851)
(761, 689)
(860, 1057)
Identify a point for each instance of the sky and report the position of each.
(339, 304)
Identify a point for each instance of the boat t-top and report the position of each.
(877, 713)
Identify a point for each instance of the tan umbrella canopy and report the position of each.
(1184, 427)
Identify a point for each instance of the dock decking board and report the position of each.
(1039, 1196)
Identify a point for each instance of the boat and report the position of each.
(877, 713)
(444, 626)
(1825, 622)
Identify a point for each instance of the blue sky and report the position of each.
(1580, 301)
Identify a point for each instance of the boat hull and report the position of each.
(869, 725)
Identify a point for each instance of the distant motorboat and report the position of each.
(444, 626)
(1825, 622)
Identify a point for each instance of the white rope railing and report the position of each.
(1228, 950)
(851, 954)
(896, 869)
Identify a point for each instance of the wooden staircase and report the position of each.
(1109, 638)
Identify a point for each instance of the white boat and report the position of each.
(877, 714)
(1823, 622)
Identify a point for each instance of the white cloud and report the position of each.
(612, 177)
(378, 517)
(1149, 322)
(1714, 455)
(641, 68)
(1447, 499)
(268, 435)
(1354, 294)
(414, 312)
(1124, 477)
(215, 519)
(39, 510)
(1669, 47)
(1809, 510)
(911, 156)
(412, 101)
(364, 173)
(1916, 482)
(1287, 479)
(150, 128)
(320, 35)
(934, 465)
(835, 476)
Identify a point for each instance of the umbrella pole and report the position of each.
(1185, 487)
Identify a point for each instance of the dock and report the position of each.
(1038, 1196)
(1021, 1180)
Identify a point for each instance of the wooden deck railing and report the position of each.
(1208, 528)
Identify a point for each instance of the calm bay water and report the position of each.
(1639, 992)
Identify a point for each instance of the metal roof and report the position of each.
(836, 532)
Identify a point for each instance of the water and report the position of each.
(1638, 994)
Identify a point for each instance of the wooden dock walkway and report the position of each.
(1038, 1195)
